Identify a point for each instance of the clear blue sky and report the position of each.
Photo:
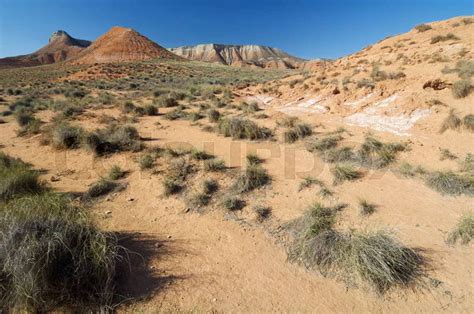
(305, 28)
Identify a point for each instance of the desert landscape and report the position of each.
(238, 178)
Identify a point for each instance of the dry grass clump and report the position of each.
(262, 212)
(468, 122)
(374, 258)
(253, 159)
(213, 115)
(116, 173)
(374, 153)
(448, 182)
(252, 178)
(214, 165)
(146, 161)
(451, 122)
(423, 28)
(467, 165)
(287, 122)
(176, 114)
(366, 208)
(165, 101)
(440, 38)
(323, 144)
(345, 172)
(29, 125)
(309, 182)
(461, 88)
(446, 154)
(16, 178)
(100, 188)
(113, 139)
(51, 254)
(241, 128)
(66, 136)
(297, 132)
(464, 230)
(233, 203)
(200, 155)
(176, 173)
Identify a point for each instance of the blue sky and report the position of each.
(305, 28)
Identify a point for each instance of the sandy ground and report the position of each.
(230, 263)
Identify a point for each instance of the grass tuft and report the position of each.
(448, 182)
(252, 178)
(464, 230)
(345, 172)
(241, 128)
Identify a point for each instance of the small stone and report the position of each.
(130, 199)
(169, 237)
(54, 179)
(108, 212)
(157, 244)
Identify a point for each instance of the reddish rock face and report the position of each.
(61, 47)
(121, 44)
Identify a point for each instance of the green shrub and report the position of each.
(240, 128)
(461, 89)
(464, 230)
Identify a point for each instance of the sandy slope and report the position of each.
(214, 261)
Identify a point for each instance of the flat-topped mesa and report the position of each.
(240, 55)
(121, 44)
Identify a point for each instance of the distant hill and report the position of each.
(240, 55)
(121, 44)
(61, 47)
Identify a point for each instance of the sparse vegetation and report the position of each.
(146, 162)
(451, 122)
(214, 165)
(17, 178)
(65, 136)
(113, 139)
(448, 182)
(371, 257)
(468, 122)
(423, 28)
(366, 208)
(253, 159)
(446, 154)
(233, 203)
(461, 88)
(253, 177)
(464, 230)
(262, 212)
(441, 38)
(345, 172)
(116, 173)
(100, 188)
(240, 128)
(308, 182)
(297, 132)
